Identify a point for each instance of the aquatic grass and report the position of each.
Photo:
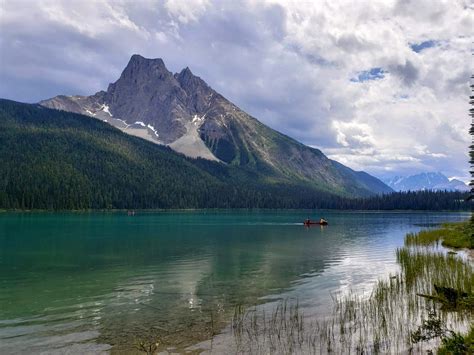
(458, 343)
(424, 238)
(453, 235)
(383, 322)
(425, 269)
(148, 347)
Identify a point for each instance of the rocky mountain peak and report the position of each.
(189, 81)
(182, 111)
(137, 61)
(148, 93)
(185, 74)
(145, 70)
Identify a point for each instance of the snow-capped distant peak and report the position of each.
(426, 181)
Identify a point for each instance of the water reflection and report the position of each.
(106, 279)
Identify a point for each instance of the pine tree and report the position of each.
(471, 131)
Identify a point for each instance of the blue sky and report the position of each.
(418, 47)
(380, 86)
(372, 74)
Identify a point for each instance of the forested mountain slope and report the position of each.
(54, 159)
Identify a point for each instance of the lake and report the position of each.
(93, 282)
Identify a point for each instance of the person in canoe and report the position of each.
(321, 222)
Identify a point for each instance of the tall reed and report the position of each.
(382, 322)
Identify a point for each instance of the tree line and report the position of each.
(55, 160)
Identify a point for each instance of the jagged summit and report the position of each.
(137, 59)
(186, 72)
(188, 80)
(138, 66)
(181, 110)
(147, 92)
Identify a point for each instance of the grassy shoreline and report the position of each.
(427, 306)
(451, 235)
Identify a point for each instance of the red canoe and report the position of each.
(309, 222)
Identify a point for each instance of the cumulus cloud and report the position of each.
(186, 10)
(378, 85)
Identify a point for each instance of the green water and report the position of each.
(100, 281)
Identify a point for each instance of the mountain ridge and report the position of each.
(435, 181)
(182, 111)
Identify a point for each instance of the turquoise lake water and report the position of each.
(92, 282)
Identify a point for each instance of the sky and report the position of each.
(380, 86)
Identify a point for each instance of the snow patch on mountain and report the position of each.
(106, 109)
(153, 129)
(198, 120)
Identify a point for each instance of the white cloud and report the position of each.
(186, 10)
(288, 63)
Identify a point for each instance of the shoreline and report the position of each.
(227, 336)
(85, 211)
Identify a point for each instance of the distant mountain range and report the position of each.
(183, 112)
(435, 181)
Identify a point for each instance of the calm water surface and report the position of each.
(100, 281)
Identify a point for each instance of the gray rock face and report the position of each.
(198, 93)
(147, 92)
(181, 110)
(77, 104)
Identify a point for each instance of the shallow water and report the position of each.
(100, 281)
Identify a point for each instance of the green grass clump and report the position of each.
(434, 268)
(452, 235)
(462, 235)
(424, 238)
(458, 344)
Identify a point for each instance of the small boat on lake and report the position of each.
(321, 222)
